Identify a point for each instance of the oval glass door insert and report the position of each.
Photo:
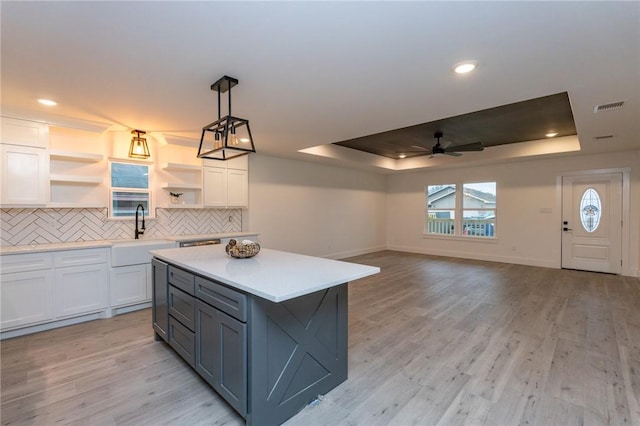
(590, 210)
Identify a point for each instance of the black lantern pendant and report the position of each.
(138, 147)
(229, 136)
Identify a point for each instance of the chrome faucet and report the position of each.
(141, 231)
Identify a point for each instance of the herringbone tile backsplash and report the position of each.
(41, 226)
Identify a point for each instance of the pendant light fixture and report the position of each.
(138, 147)
(229, 136)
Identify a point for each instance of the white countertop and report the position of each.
(75, 245)
(271, 274)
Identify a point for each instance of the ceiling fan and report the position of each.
(447, 149)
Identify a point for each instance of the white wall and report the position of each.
(315, 209)
(526, 234)
(334, 212)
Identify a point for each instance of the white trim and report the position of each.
(460, 238)
(351, 253)
(52, 324)
(626, 211)
(543, 263)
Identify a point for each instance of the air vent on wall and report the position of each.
(608, 107)
(603, 137)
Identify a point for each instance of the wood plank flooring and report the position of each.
(432, 341)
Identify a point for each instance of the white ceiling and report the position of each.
(313, 73)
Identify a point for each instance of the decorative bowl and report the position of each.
(242, 249)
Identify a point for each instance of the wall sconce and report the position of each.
(228, 136)
(138, 147)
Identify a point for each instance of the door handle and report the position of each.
(567, 229)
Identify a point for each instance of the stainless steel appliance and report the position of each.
(199, 242)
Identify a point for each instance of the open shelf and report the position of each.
(63, 204)
(57, 154)
(84, 180)
(187, 186)
(181, 167)
(183, 206)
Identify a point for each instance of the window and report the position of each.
(473, 214)
(590, 210)
(441, 204)
(129, 187)
(479, 209)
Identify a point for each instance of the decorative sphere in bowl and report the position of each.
(242, 249)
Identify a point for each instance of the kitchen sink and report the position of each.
(135, 252)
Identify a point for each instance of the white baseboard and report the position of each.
(51, 325)
(107, 313)
(543, 263)
(351, 253)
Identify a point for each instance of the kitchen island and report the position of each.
(268, 333)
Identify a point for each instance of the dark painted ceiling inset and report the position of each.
(518, 122)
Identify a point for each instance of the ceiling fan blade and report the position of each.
(477, 146)
(420, 147)
(453, 154)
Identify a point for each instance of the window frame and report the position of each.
(149, 212)
(459, 210)
(443, 209)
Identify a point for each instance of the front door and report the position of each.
(592, 222)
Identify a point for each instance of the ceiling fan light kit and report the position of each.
(445, 148)
(228, 136)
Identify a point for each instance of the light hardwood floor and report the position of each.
(432, 341)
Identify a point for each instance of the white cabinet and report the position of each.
(26, 298)
(237, 188)
(215, 186)
(25, 133)
(80, 289)
(24, 163)
(130, 273)
(24, 172)
(39, 288)
(26, 289)
(130, 285)
(81, 281)
(226, 184)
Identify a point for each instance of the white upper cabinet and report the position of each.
(24, 172)
(25, 133)
(215, 186)
(237, 188)
(238, 163)
(226, 183)
(24, 163)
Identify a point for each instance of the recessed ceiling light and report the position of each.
(47, 102)
(551, 134)
(402, 156)
(464, 67)
(244, 140)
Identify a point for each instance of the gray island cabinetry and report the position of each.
(269, 333)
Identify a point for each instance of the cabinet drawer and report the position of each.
(25, 262)
(80, 257)
(182, 307)
(182, 340)
(224, 298)
(183, 280)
